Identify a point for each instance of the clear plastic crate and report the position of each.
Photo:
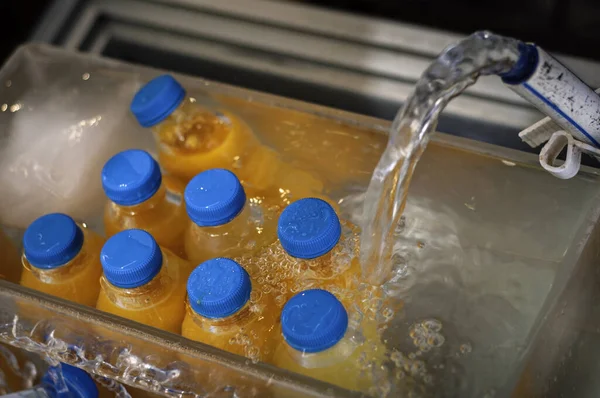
(510, 233)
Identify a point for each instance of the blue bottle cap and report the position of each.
(308, 228)
(218, 288)
(214, 197)
(52, 240)
(313, 321)
(79, 383)
(156, 100)
(131, 177)
(131, 258)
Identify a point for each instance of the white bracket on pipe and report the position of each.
(557, 142)
(548, 130)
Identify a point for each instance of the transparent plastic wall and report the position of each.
(488, 237)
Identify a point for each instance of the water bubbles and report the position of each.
(398, 358)
(417, 368)
(465, 348)
(280, 300)
(426, 334)
(400, 375)
(252, 352)
(387, 313)
(436, 340)
(267, 289)
(256, 308)
(432, 325)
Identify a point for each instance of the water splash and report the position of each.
(457, 67)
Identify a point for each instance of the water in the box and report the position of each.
(468, 294)
(455, 69)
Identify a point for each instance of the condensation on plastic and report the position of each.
(60, 123)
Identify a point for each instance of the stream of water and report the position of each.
(456, 68)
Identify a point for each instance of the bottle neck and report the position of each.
(155, 203)
(65, 271)
(333, 263)
(193, 127)
(158, 288)
(240, 224)
(223, 325)
(329, 357)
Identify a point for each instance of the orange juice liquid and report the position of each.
(240, 235)
(138, 197)
(223, 222)
(337, 269)
(193, 138)
(321, 340)
(162, 215)
(346, 364)
(78, 280)
(249, 333)
(160, 303)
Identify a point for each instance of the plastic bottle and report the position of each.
(193, 138)
(141, 282)
(62, 259)
(318, 343)
(75, 383)
(225, 312)
(223, 223)
(315, 252)
(132, 181)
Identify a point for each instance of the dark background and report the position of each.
(566, 26)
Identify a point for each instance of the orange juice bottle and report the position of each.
(193, 138)
(317, 341)
(139, 199)
(317, 253)
(140, 282)
(223, 223)
(223, 311)
(62, 259)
